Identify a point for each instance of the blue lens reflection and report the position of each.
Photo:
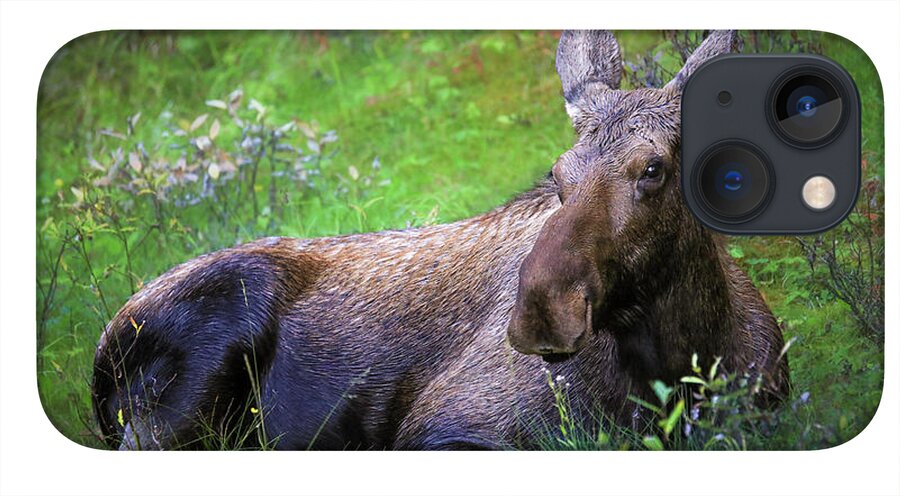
(733, 180)
(806, 106)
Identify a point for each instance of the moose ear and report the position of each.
(587, 61)
(717, 43)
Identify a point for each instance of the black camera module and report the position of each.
(745, 165)
(808, 107)
(734, 180)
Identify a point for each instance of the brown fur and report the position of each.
(398, 339)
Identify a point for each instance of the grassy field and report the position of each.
(369, 131)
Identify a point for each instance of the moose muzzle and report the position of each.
(558, 288)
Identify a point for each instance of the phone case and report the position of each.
(430, 240)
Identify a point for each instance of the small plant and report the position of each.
(243, 428)
(725, 408)
(668, 419)
(576, 428)
(567, 426)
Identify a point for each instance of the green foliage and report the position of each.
(706, 410)
(657, 64)
(157, 147)
(578, 430)
(849, 261)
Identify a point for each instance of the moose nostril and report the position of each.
(557, 357)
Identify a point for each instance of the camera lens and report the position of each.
(733, 180)
(808, 107)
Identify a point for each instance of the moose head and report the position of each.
(601, 257)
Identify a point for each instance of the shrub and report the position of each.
(848, 261)
(656, 67)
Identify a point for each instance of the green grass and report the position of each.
(460, 122)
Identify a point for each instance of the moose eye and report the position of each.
(652, 178)
(654, 170)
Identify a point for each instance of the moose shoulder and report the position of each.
(438, 337)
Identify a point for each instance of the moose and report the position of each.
(441, 337)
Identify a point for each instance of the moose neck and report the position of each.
(678, 305)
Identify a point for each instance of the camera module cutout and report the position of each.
(770, 144)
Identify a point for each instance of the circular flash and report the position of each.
(818, 192)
